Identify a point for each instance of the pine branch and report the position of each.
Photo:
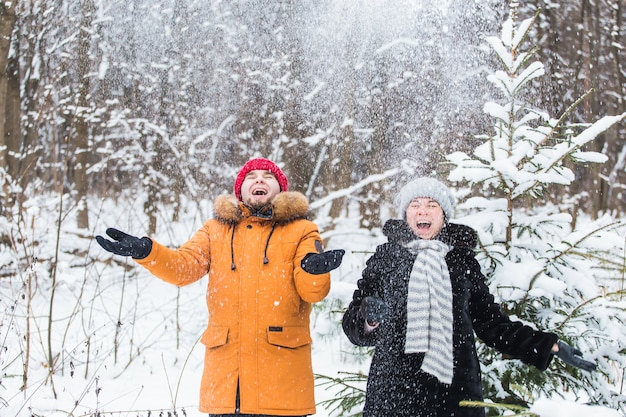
(514, 407)
(579, 307)
(570, 249)
(347, 397)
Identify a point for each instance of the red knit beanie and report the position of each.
(260, 164)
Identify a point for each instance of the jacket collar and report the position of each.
(285, 207)
(456, 235)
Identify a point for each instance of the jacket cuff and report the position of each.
(544, 351)
(151, 256)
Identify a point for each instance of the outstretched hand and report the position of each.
(125, 245)
(573, 356)
(320, 263)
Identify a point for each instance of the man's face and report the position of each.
(425, 217)
(259, 187)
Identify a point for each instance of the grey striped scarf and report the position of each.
(429, 309)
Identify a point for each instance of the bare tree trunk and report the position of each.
(375, 193)
(33, 107)
(22, 150)
(338, 166)
(341, 164)
(17, 152)
(150, 207)
(7, 23)
(590, 22)
(8, 18)
(82, 128)
(154, 143)
(299, 158)
(613, 177)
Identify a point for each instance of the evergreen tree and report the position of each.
(545, 270)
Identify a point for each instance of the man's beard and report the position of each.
(257, 205)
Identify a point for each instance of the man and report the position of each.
(420, 302)
(265, 265)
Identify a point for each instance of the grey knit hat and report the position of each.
(425, 187)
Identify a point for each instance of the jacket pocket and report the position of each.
(215, 336)
(289, 337)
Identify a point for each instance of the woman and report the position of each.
(420, 301)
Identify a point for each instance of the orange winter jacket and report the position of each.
(259, 301)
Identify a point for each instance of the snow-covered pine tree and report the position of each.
(546, 271)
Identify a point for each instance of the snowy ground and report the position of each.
(130, 342)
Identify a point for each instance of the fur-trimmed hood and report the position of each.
(457, 235)
(286, 207)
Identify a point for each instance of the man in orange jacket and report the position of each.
(266, 265)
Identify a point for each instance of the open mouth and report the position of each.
(423, 225)
(259, 192)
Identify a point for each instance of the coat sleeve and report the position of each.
(353, 323)
(184, 265)
(497, 330)
(311, 288)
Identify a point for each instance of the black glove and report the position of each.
(125, 244)
(573, 356)
(374, 310)
(320, 263)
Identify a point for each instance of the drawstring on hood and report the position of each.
(267, 243)
(284, 208)
(232, 249)
(266, 260)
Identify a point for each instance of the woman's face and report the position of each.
(425, 217)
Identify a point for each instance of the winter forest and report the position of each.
(137, 114)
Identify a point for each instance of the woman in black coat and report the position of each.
(439, 369)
